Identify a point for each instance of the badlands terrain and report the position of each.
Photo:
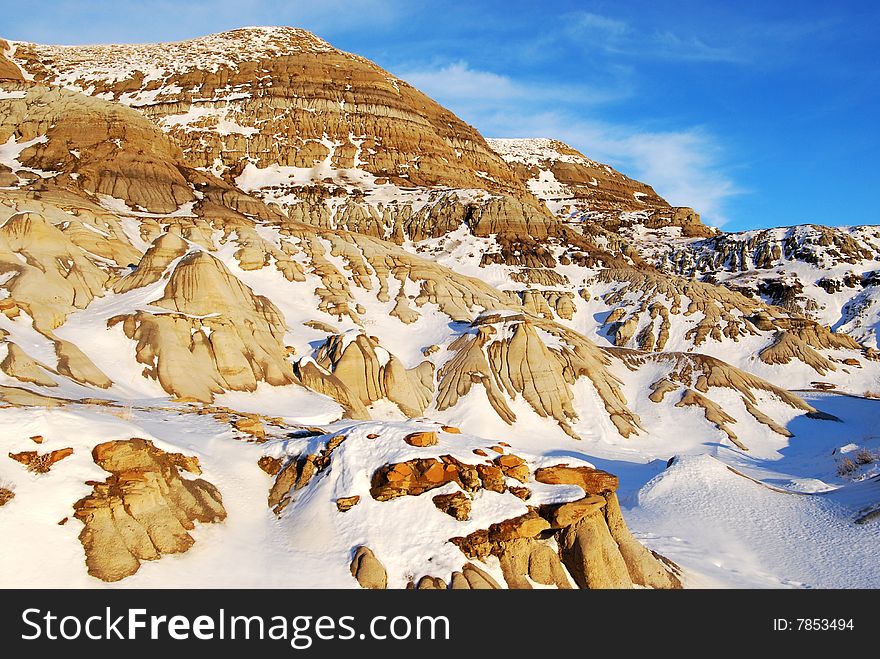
(272, 317)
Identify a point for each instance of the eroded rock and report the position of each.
(144, 509)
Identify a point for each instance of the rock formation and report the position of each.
(577, 188)
(144, 509)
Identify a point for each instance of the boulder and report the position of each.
(421, 439)
(457, 505)
(367, 569)
(344, 504)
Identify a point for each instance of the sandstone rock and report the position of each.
(270, 465)
(297, 472)
(480, 452)
(344, 504)
(431, 583)
(421, 439)
(367, 569)
(645, 568)
(588, 188)
(244, 344)
(252, 426)
(592, 556)
(41, 463)
(491, 477)
(19, 365)
(523, 558)
(513, 466)
(412, 478)
(358, 366)
(589, 479)
(143, 510)
(20, 397)
(473, 578)
(6, 495)
(523, 493)
(457, 505)
(452, 430)
(37, 439)
(545, 567)
(571, 513)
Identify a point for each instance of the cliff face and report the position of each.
(577, 188)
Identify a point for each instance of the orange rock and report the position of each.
(589, 479)
(452, 430)
(514, 466)
(572, 512)
(40, 464)
(436, 473)
(373, 435)
(250, 426)
(270, 465)
(497, 449)
(457, 505)
(421, 439)
(344, 504)
(504, 444)
(523, 493)
(509, 460)
(491, 477)
(480, 452)
(37, 439)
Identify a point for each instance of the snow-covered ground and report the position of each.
(781, 515)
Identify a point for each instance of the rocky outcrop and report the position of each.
(457, 505)
(577, 188)
(109, 149)
(298, 471)
(371, 373)
(472, 577)
(509, 354)
(218, 334)
(144, 509)
(21, 366)
(594, 547)
(50, 275)
(41, 463)
(8, 69)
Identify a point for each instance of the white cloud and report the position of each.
(467, 88)
(458, 81)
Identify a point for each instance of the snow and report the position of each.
(11, 151)
(78, 67)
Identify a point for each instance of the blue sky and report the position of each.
(757, 113)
